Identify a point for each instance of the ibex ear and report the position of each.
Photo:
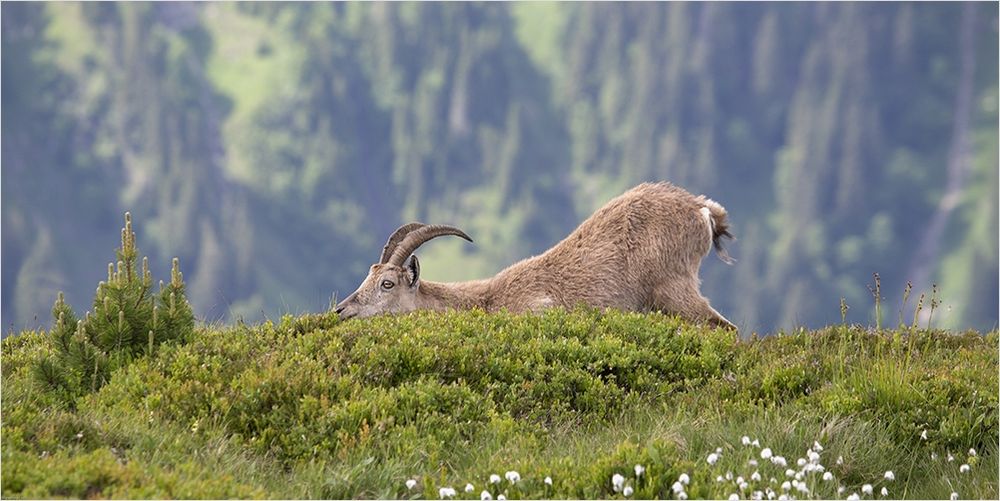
(413, 268)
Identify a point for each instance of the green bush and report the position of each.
(300, 394)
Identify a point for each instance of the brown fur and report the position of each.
(641, 252)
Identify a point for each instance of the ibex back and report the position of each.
(641, 251)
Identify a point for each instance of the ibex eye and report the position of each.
(387, 284)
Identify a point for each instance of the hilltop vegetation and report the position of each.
(314, 407)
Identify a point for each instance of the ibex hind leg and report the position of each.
(684, 300)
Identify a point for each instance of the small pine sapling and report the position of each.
(128, 320)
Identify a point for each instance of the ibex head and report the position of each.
(393, 284)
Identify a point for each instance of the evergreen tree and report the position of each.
(128, 320)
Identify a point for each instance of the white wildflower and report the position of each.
(718, 450)
(840, 490)
(684, 479)
(734, 497)
(954, 496)
(828, 476)
(753, 462)
(817, 447)
(745, 440)
(950, 457)
(494, 479)
(885, 492)
(729, 475)
(867, 489)
(719, 478)
(840, 459)
(789, 472)
(786, 485)
(628, 491)
(972, 452)
(469, 488)
(779, 461)
(712, 458)
(548, 480)
(755, 477)
(682, 495)
(739, 480)
(890, 476)
(744, 486)
(410, 484)
(446, 492)
(934, 456)
(923, 434)
(964, 468)
(853, 497)
(755, 443)
(799, 475)
(485, 496)
(512, 476)
(783, 497)
(766, 453)
(813, 456)
(801, 462)
(501, 498)
(617, 482)
(803, 488)
(639, 470)
(677, 487)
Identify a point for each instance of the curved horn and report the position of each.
(417, 237)
(396, 237)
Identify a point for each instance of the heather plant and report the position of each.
(128, 319)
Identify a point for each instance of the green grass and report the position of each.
(312, 407)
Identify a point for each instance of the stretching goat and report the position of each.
(639, 252)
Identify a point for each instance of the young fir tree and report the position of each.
(127, 320)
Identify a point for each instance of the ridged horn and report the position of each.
(396, 237)
(418, 237)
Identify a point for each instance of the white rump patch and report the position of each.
(714, 206)
(707, 214)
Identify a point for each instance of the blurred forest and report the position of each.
(273, 147)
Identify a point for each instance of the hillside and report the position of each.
(314, 407)
(272, 147)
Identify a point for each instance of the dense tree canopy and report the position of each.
(272, 147)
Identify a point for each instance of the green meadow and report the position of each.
(428, 404)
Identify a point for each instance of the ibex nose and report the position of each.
(341, 306)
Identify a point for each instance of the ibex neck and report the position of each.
(455, 295)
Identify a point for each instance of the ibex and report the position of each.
(640, 251)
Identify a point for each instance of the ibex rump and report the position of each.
(641, 252)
